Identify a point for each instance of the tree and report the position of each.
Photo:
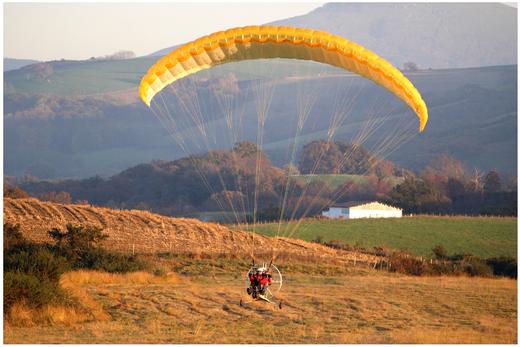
(475, 182)
(492, 182)
(59, 197)
(439, 252)
(410, 66)
(511, 183)
(455, 187)
(329, 157)
(270, 213)
(246, 148)
(320, 157)
(78, 238)
(14, 193)
(416, 196)
(13, 236)
(447, 165)
(385, 169)
(291, 170)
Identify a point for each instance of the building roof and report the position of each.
(365, 205)
(350, 203)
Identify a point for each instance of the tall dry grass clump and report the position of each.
(22, 315)
(80, 294)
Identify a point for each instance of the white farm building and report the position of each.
(357, 209)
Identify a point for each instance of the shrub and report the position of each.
(166, 255)
(336, 244)
(474, 266)
(31, 271)
(403, 262)
(77, 239)
(13, 237)
(443, 268)
(80, 245)
(160, 271)
(439, 252)
(21, 287)
(459, 256)
(379, 251)
(318, 239)
(100, 259)
(504, 266)
(38, 262)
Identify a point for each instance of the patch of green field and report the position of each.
(104, 76)
(83, 78)
(480, 236)
(334, 181)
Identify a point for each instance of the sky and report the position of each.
(51, 31)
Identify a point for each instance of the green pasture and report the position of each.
(92, 77)
(480, 236)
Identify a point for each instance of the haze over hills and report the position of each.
(433, 35)
(473, 116)
(79, 119)
(436, 35)
(15, 64)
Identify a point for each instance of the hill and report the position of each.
(144, 232)
(473, 116)
(78, 78)
(436, 35)
(84, 118)
(453, 31)
(14, 64)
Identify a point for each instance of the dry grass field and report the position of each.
(366, 306)
(329, 295)
(144, 232)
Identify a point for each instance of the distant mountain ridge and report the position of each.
(79, 119)
(15, 64)
(432, 35)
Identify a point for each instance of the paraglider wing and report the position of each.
(263, 42)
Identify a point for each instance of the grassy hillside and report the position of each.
(67, 78)
(96, 77)
(480, 236)
(473, 116)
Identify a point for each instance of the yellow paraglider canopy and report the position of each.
(262, 42)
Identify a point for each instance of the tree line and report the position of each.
(226, 180)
